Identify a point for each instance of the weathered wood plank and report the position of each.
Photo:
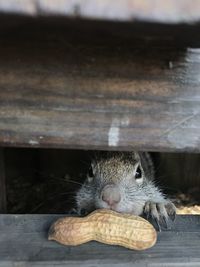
(169, 11)
(69, 93)
(23, 239)
(2, 183)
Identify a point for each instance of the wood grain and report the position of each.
(169, 11)
(63, 89)
(23, 240)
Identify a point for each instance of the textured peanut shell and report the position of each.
(107, 227)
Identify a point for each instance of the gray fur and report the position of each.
(138, 196)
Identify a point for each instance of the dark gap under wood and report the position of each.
(3, 204)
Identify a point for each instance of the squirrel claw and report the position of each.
(171, 210)
(160, 213)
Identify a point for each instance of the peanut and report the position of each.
(107, 227)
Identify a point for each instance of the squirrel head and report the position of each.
(117, 179)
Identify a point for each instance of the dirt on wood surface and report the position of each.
(189, 210)
(188, 202)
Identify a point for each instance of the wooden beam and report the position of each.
(63, 89)
(2, 183)
(169, 11)
(23, 240)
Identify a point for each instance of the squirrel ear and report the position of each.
(90, 178)
(90, 172)
(92, 165)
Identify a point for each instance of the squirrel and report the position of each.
(124, 182)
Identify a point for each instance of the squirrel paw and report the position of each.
(160, 212)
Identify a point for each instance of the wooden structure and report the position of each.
(24, 242)
(67, 83)
(58, 90)
(170, 11)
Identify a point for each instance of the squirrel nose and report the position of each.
(111, 195)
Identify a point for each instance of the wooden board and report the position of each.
(168, 11)
(61, 88)
(23, 241)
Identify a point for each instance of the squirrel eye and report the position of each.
(138, 173)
